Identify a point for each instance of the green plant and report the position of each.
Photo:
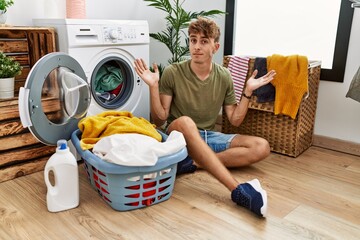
(4, 4)
(177, 21)
(8, 67)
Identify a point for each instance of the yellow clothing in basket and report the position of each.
(291, 82)
(107, 123)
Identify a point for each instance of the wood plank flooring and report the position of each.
(313, 196)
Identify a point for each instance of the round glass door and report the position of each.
(55, 97)
(61, 94)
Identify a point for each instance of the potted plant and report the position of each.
(4, 4)
(177, 21)
(9, 69)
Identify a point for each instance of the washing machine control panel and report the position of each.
(121, 34)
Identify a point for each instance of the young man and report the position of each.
(189, 97)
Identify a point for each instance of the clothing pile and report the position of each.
(108, 82)
(121, 138)
(288, 87)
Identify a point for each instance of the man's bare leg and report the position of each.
(245, 150)
(249, 195)
(202, 153)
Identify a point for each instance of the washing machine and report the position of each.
(106, 50)
(63, 87)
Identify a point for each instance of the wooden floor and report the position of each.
(314, 196)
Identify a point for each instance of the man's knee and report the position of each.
(262, 149)
(257, 148)
(183, 124)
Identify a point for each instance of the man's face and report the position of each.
(202, 48)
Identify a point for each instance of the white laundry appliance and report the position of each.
(112, 44)
(63, 87)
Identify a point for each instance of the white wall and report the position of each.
(336, 116)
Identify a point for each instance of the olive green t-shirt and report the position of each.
(197, 99)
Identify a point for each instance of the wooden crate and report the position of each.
(285, 135)
(20, 152)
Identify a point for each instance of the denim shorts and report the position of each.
(217, 141)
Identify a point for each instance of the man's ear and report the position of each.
(217, 46)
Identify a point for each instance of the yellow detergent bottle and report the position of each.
(63, 192)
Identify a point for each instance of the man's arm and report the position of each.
(159, 105)
(237, 112)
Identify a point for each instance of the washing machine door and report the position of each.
(54, 98)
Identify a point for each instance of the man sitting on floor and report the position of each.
(189, 97)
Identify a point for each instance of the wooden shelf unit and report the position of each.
(20, 152)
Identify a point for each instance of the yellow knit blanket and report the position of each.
(291, 82)
(93, 128)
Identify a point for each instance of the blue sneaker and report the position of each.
(186, 166)
(251, 196)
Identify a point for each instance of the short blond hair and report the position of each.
(206, 26)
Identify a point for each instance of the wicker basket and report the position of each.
(286, 135)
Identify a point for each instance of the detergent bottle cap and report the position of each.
(61, 144)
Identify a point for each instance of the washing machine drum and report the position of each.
(54, 98)
(112, 82)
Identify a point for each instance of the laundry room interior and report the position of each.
(322, 163)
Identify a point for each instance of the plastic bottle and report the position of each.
(63, 194)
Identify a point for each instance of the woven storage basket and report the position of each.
(286, 135)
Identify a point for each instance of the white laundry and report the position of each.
(133, 149)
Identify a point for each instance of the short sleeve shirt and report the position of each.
(198, 99)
